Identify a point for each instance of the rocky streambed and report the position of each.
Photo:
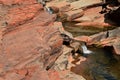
(31, 45)
(89, 26)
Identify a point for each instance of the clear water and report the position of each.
(85, 49)
(101, 65)
(81, 30)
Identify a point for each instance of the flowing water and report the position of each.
(100, 63)
(85, 50)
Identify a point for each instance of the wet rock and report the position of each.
(55, 9)
(97, 37)
(108, 38)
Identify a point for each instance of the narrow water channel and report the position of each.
(100, 64)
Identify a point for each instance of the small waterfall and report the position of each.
(85, 50)
(49, 10)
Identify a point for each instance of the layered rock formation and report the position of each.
(29, 43)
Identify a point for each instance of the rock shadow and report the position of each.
(113, 17)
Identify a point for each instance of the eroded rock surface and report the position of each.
(104, 39)
(29, 43)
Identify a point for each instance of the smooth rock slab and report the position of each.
(29, 40)
(83, 3)
(71, 15)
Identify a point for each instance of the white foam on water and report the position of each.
(85, 50)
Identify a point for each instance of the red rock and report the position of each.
(53, 75)
(63, 6)
(1, 78)
(82, 38)
(107, 39)
(22, 72)
(22, 14)
(35, 44)
(13, 2)
(94, 18)
(93, 24)
(13, 76)
(29, 40)
(71, 15)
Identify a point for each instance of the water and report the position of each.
(99, 66)
(85, 50)
(102, 65)
(81, 30)
(49, 10)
